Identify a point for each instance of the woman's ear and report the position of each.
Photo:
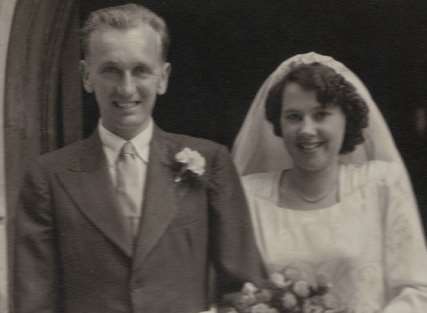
(84, 71)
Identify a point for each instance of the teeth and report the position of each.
(126, 105)
(309, 146)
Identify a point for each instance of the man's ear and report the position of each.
(164, 79)
(84, 71)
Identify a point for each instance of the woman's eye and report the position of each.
(293, 117)
(320, 115)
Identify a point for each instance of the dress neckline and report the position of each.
(276, 187)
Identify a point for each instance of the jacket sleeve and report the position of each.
(36, 279)
(232, 244)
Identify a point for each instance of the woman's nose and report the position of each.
(308, 126)
(127, 86)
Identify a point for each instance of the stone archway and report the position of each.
(38, 92)
(6, 16)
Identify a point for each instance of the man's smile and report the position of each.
(126, 104)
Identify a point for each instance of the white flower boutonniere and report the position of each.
(189, 164)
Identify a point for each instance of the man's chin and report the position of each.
(131, 128)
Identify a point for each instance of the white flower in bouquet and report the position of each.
(279, 280)
(249, 288)
(289, 300)
(262, 308)
(301, 288)
(288, 292)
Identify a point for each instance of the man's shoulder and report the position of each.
(194, 143)
(64, 155)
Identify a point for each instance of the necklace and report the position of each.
(316, 199)
(303, 197)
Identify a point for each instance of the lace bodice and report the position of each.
(370, 245)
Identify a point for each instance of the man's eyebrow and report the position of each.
(142, 64)
(144, 67)
(111, 63)
(287, 110)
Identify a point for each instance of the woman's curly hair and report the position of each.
(331, 89)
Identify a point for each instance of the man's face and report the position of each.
(126, 72)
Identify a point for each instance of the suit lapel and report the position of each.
(88, 183)
(160, 196)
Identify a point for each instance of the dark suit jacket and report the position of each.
(74, 254)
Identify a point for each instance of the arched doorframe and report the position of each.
(34, 102)
(6, 16)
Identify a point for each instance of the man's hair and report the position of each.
(124, 17)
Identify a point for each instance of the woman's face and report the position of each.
(312, 133)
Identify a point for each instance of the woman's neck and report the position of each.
(314, 186)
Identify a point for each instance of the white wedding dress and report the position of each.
(369, 245)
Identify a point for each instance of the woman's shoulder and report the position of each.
(378, 172)
(260, 183)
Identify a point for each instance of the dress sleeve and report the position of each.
(405, 253)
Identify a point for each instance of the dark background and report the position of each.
(222, 51)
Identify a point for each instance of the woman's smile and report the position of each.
(309, 146)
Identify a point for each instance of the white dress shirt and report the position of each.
(112, 144)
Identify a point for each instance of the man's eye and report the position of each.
(141, 71)
(110, 70)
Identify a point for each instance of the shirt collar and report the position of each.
(113, 143)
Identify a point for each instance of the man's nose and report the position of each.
(127, 86)
(308, 126)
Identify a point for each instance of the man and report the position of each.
(130, 219)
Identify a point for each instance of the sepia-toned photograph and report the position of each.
(213, 156)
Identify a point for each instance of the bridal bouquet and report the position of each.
(285, 292)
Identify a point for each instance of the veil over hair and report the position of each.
(257, 149)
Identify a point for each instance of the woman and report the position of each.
(331, 195)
